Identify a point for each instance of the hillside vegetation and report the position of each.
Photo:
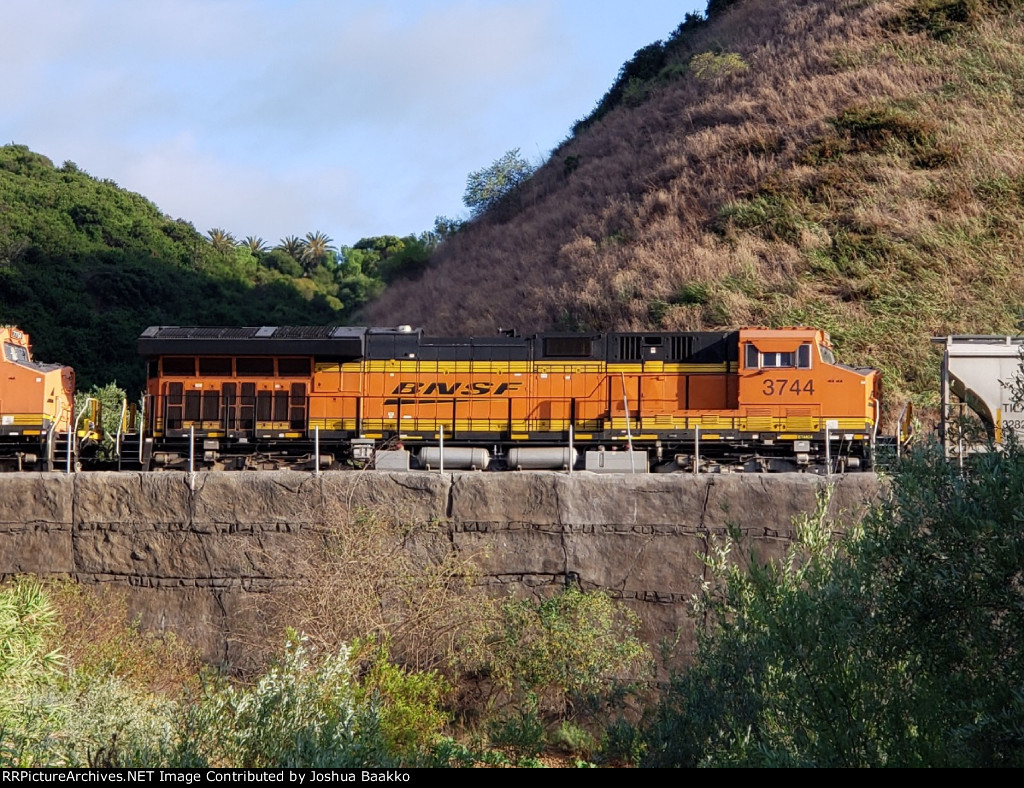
(850, 164)
(85, 266)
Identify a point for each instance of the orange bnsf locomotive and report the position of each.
(37, 411)
(755, 399)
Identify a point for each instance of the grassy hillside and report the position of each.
(850, 164)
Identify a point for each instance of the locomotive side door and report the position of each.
(174, 406)
(623, 401)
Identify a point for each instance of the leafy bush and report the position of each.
(111, 706)
(623, 743)
(519, 732)
(409, 703)
(573, 649)
(54, 717)
(301, 713)
(574, 739)
(111, 398)
(901, 645)
(711, 66)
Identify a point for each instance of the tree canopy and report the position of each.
(486, 188)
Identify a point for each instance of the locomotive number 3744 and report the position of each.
(779, 386)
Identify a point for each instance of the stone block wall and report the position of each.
(191, 553)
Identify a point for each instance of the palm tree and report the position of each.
(255, 244)
(292, 246)
(315, 250)
(221, 239)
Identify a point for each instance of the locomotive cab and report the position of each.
(793, 391)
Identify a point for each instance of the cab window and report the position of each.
(800, 358)
(777, 360)
(16, 353)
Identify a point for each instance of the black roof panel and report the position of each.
(332, 341)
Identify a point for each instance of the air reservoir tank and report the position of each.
(456, 458)
(542, 458)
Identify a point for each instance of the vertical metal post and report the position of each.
(316, 450)
(828, 451)
(570, 449)
(142, 426)
(192, 457)
(696, 447)
(625, 406)
(71, 435)
(946, 405)
(629, 429)
(441, 461)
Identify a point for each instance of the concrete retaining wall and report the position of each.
(192, 555)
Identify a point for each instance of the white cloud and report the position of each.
(273, 117)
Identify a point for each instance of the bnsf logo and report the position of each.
(456, 389)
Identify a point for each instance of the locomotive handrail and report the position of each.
(73, 437)
(629, 431)
(49, 436)
(142, 424)
(904, 428)
(120, 427)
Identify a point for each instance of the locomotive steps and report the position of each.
(195, 560)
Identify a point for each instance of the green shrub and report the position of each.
(303, 712)
(635, 92)
(408, 703)
(55, 717)
(711, 66)
(571, 650)
(574, 739)
(942, 19)
(885, 128)
(774, 217)
(900, 645)
(27, 617)
(694, 293)
(623, 743)
(520, 732)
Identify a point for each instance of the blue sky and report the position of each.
(281, 117)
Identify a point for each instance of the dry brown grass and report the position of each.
(100, 639)
(370, 575)
(882, 240)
